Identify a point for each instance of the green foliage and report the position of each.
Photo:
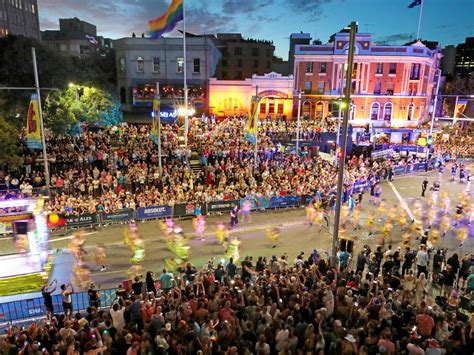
(64, 109)
(9, 144)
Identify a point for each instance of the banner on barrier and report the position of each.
(187, 209)
(399, 170)
(359, 185)
(420, 166)
(221, 206)
(154, 212)
(82, 220)
(122, 215)
(284, 201)
(255, 202)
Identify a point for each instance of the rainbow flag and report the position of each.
(166, 22)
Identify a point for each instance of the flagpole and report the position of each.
(419, 20)
(40, 112)
(160, 166)
(186, 123)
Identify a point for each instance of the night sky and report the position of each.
(390, 21)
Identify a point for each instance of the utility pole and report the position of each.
(160, 168)
(345, 122)
(298, 128)
(43, 138)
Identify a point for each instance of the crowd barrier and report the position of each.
(34, 307)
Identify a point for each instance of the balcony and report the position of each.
(394, 123)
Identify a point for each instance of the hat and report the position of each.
(350, 338)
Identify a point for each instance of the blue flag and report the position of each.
(415, 3)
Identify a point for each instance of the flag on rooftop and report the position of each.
(167, 21)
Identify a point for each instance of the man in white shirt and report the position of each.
(422, 259)
(117, 316)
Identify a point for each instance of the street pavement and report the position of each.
(295, 234)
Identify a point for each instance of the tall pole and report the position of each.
(160, 167)
(419, 20)
(40, 109)
(339, 116)
(186, 123)
(298, 125)
(433, 112)
(455, 114)
(255, 153)
(345, 122)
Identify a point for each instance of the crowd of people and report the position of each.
(384, 304)
(111, 169)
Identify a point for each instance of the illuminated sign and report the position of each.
(168, 114)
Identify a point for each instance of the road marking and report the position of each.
(69, 237)
(402, 201)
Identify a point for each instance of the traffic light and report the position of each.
(429, 140)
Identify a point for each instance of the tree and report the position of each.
(64, 109)
(9, 144)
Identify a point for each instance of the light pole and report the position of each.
(345, 123)
(433, 112)
(72, 85)
(298, 125)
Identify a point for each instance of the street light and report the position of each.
(72, 85)
(182, 111)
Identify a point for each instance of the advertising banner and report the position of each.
(420, 167)
(287, 201)
(154, 212)
(82, 220)
(221, 206)
(256, 202)
(399, 170)
(122, 215)
(187, 209)
(359, 185)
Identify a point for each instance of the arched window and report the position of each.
(319, 110)
(387, 111)
(352, 112)
(306, 109)
(374, 111)
(411, 111)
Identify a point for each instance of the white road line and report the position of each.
(402, 201)
(69, 237)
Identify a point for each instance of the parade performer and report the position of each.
(370, 222)
(246, 208)
(310, 212)
(233, 249)
(77, 245)
(318, 217)
(100, 257)
(403, 219)
(199, 224)
(386, 230)
(273, 234)
(234, 219)
(356, 218)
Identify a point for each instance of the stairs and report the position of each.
(195, 162)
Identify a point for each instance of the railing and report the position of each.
(34, 307)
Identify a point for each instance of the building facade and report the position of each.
(392, 86)
(77, 38)
(242, 58)
(232, 97)
(465, 57)
(142, 62)
(19, 17)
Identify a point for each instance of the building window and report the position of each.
(319, 110)
(263, 107)
(180, 65)
(239, 63)
(156, 64)
(320, 87)
(377, 87)
(255, 63)
(322, 68)
(374, 111)
(352, 112)
(411, 112)
(415, 71)
(140, 65)
(280, 109)
(196, 65)
(393, 68)
(379, 68)
(255, 52)
(238, 51)
(387, 111)
(306, 109)
(307, 86)
(224, 62)
(271, 107)
(309, 67)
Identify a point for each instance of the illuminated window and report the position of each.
(415, 71)
(322, 68)
(309, 67)
(379, 68)
(263, 107)
(319, 110)
(271, 107)
(320, 87)
(352, 112)
(255, 52)
(307, 86)
(121, 64)
(180, 65)
(374, 111)
(387, 111)
(410, 111)
(280, 109)
(140, 65)
(306, 109)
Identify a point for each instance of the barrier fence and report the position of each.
(34, 307)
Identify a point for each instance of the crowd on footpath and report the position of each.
(116, 168)
(381, 302)
(458, 143)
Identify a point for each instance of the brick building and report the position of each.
(391, 87)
